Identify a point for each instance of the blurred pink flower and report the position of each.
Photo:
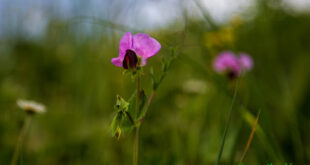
(135, 50)
(246, 61)
(228, 63)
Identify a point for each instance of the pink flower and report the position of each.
(135, 50)
(228, 63)
(246, 61)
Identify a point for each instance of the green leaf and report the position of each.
(142, 105)
(127, 125)
(115, 125)
(154, 81)
(121, 104)
(168, 61)
(132, 105)
(123, 121)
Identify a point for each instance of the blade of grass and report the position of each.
(21, 138)
(227, 124)
(205, 15)
(262, 137)
(250, 138)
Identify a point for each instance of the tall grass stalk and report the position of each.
(250, 138)
(227, 123)
(21, 138)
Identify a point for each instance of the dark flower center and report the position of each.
(130, 60)
(232, 75)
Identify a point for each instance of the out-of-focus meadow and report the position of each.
(68, 69)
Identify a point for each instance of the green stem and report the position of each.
(148, 106)
(227, 124)
(136, 146)
(136, 140)
(150, 99)
(137, 93)
(130, 118)
(21, 138)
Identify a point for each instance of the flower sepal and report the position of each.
(134, 72)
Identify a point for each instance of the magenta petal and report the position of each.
(145, 46)
(125, 43)
(246, 61)
(118, 61)
(143, 61)
(226, 61)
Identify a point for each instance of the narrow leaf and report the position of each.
(250, 138)
(115, 125)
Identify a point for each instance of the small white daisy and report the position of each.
(31, 107)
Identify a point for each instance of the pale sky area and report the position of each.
(32, 16)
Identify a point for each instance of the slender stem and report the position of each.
(227, 124)
(136, 146)
(130, 118)
(21, 139)
(150, 99)
(148, 105)
(137, 93)
(136, 140)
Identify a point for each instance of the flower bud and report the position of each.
(130, 60)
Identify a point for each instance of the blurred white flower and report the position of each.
(31, 107)
(195, 86)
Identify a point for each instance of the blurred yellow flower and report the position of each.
(223, 36)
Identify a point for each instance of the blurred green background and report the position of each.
(67, 67)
